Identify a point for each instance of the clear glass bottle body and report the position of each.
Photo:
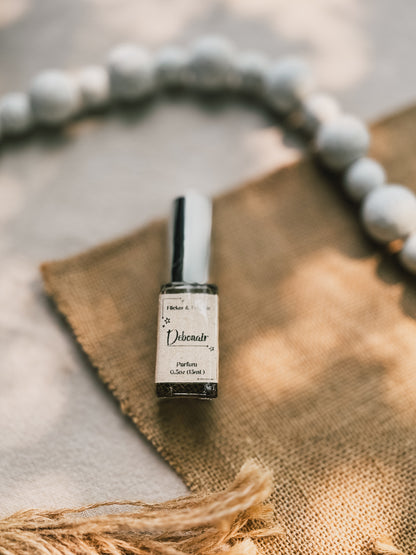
(202, 347)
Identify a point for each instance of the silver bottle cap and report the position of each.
(190, 238)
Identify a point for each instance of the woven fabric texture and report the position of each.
(317, 353)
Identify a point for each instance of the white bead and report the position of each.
(131, 70)
(407, 255)
(288, 81)
(317, 109)
(94, 85)
(15, 114)
(252, 68)
(212, 64)
(54, 97)
(341, 141)
(362, 176)
(172, 67)
(389, 213)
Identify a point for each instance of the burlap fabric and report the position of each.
(317, 353)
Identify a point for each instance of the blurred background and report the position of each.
(63, 440)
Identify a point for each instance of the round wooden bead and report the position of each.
(288, 81)
(172, 67)
(407, 255)
(389, 213)
(54, 97)
(131, 71)
(341, 141)
(15, 114)
(94, 85)
(212, 64)
(252, 68)
(317, 109)
(362, 176)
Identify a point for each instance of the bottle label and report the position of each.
(187, 343)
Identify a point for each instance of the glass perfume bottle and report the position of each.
(187, 342)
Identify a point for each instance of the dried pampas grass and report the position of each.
(226, 522)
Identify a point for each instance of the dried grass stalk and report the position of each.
(384, 546)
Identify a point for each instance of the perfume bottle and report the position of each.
(187, 342)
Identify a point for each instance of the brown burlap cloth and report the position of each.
(317, 353)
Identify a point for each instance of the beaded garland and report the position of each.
(341, 141)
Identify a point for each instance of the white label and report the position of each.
(187, 342)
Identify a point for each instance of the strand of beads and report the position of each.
(212, 64)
